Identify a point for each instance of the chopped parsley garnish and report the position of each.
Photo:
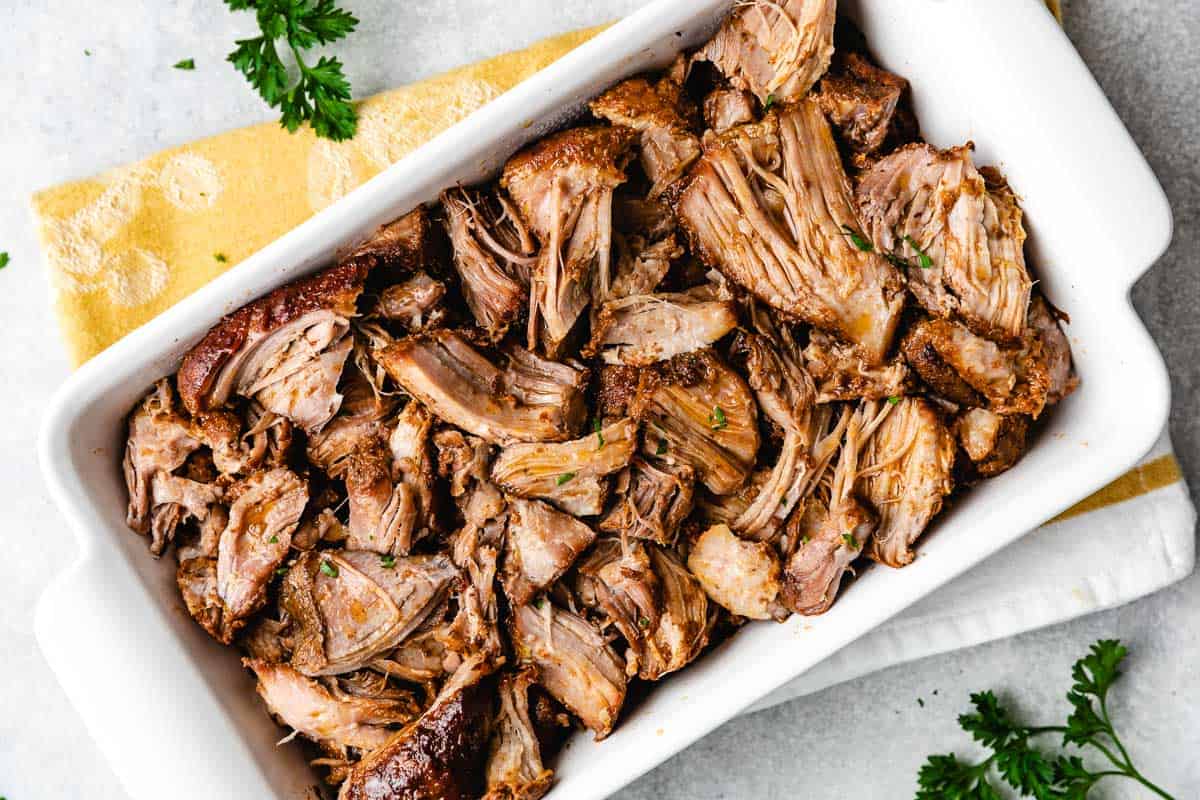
(643, 622)
(87, 52)
(804, 540)
(321, 96)
(770, 102)
(187, 64)
(857, 239)
(599, 434)
(329, 568)
(850, 541)
(893, 400)
(220, 257)
(922, 257)
(3, 260)
(662, 447)
(274, 539)
(717, 419)
(281, 571)
(561, 479)
(540, 603)
(387, 561)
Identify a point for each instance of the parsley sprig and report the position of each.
(321, 96)
(1024, 767)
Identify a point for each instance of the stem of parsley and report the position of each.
(1027, 769)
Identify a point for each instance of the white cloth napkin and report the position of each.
(1058, 572)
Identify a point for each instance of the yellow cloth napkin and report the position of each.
(124, 246)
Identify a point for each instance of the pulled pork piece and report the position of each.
(348, 607)
(616, 579)
(286, 350)
(533, 400)
(769, 205)
(634, 214)
(576, 665)
(725, 108)
(160, 441)
(1046, 353)
(652, 501)
(684, 621)
(515, 768)
(439, 755)
(777, 50)
(569, 474)
(390, 488)
(492, 252)
(642, 329)
(359, 419)
(739, 575)
(827, 541)
(960, 366)
(904, 472)
(563, 186)
(641, 267)
(174, 500)
(934, 209)
(415, 303)
(542, 544)
(993, 442)
(701, 414)
(841, 373)
(861, 100)
(336, 722)
(266, 510)
(662, 114)
(400, 247)
(197, 581)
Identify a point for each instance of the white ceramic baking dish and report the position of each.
(175, 713)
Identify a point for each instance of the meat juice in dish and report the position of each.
(683, 365)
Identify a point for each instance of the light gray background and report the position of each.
(68, 115)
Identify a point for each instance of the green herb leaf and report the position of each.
(662, 447)
(561, 479)
(849, 540)
(186, 64)
(329, 568)
(770, 102)
(893, 400)
(540, 603)
(273, 540)
(717, 420)
(220, 257)
(922, 257)
(281, 571)
(599, 434)
(321, 96)
(856, 239)
(804, 540)
(387, 561)
(3, 260)
(643, 622)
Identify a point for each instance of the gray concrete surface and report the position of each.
(68, 114)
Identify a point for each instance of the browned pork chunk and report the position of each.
(563, 186)
(724, 108)
(961, 234)
(360, 419)
(617, 579)
(684, 620)
(571, 475)
(286, 350)
(905, 473)
(774, 49)
(661, 113)
(398, 248)
(769, 205)
(265, 512)
(826, 541)
(493, 254)
(160, 441)
(576, 665)
(542, 544)
(739, 575)
(992, 441)
(642, 329)
(348, 607)
(641, 267)
(841, 373)
(532, 400)
(861, 101)
(440, 755)
(415, 302)
(701, 414)
(652, 501)
(335, 720)
(515, 765)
